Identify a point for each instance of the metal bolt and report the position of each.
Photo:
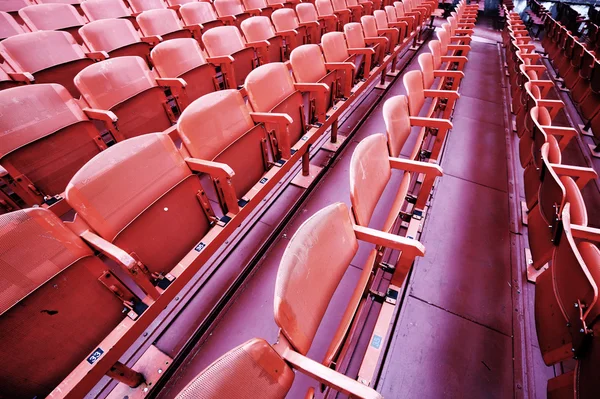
(582, 330)
(159, 371)
(572, 349)
(576, 305)
(145, 389)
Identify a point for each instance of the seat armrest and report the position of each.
(435, 123)
(312, 24)
(97, 55)
(227, 19)
(329, 377)
(377, 40)
(152, 40)
(24, 77)
(178, 83)
(585, 233)
(288, 33)
(134, 267)
(320, 90)
(108, 117)
(459, 47)
(221, 174)
(195, 29)
(581, 175)
(448, 74)
(283, 121)
(408, 246)
(258, 44)
(428, 168)
(364, 51)
(331, 17)
(460, 59)
(449, 94)
(565, 133)
(223, 59)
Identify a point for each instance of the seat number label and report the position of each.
(263, 180)
(200, 247)
(376, 341)
(95, 356)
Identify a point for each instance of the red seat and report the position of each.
(43, 154)
(183, 58)
(8, 26)
(141, 196)
(307, 13)
(286, 23)
(226, 47)
(356, 40)
(401, 15)
(117, 37)
(202, 14)
(395, 30)
(344, 13)
(261, 6)
(235, 10)
(124, 87)
(260, 33)
(335, 49)
(53, 16)
(371, 29)
(325, 10)
(104, 9)
(47, 56)
(139, 6)
(54, 310)
(165, 24)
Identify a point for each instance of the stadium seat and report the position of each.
(53, 16)
(203, 15)
(356, 39)
(139, 6)
(325, 10)
(47, 57)
(370, 172)
(226, 47)
(234, 9)
(285, 20)
(341, 7)
(399, 123)
(447, 79)
(183, 58)
(258, 30)
(41, 156)
(401, 16)
(393, 22)
(105, 9)
(8, 26)
(309, 66)
(165, 24)
(127, 96)
(176, 4)
(139, 193)
(55, 309)
(371, 29)
(335, 49)
(262, 6)
(307, 13)
(118, 38)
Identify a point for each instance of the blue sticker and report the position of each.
(376, 342)
(200, 247)
(95, 356)
(263, 180)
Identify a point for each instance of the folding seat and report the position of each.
(370, 28)
(581, 86)
(8, 26)
(141, 196)
(283, 3)
(220, 128)
(443, 102)
(260, 30)
(590, 104)
(343, 6)
(139, 6)
(307, 13)
(394, 34)
(13, 6)
(445, 62)
(370, 172)
(447, 48)
(39, 157)
(402, 16)
(392, 21)
(48, 57)
(309, 66)
(55, 308)
(335, 49)
(414, 12)
(165, 24)
(53, 16)
(460, 32)
(202, 14)
(183, 58)
(263, 7)
(558, 184)
(534, 93)
(105, 9)
(117, 38)
(285, 20)
(127, 96)
(447, 79)
(366, 7)
(271, 90)
(562, 62)
(356, 39)
(325, 9)
(176, 4)
(226, 47)
(235, 10)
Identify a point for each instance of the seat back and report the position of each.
(311, 268)
(109, 34)
(324, 7)
(370, 173)
(413, 83)
(265, 374)
(218, 127)
(444, 40)
(257, 28)
(369, 25)
(159, 22)
(223, 40)
(54, 310)
(308, 63)
(390, 12)
(307, 12)
(426, 64)
(435, 47)
(354, 35)
(285, 19)
(15, 5)
(381, 19)
(228, 7)
(254, 4)
(199, 12)
(104, 9)
(339, 5)
(36, 51)
(51, 16)
(334, 46)
(174, 3)
(397, 122)
(139, 6)
(141, 195)
(46, 136)
(271, 89)
(8, 26)
(126, 86)
(400, 11)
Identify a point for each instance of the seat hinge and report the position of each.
(387, 268)
(208, 211)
